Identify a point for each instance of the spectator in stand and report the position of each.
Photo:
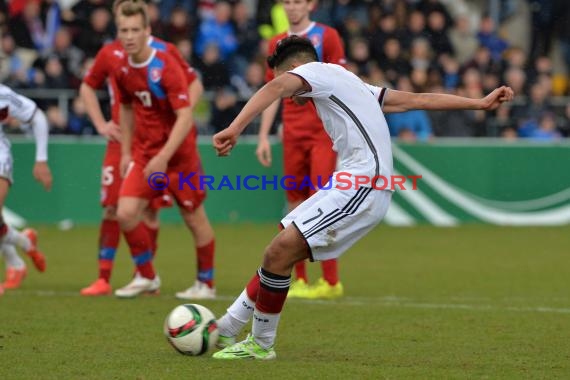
(350, 29)
(253, 81)
(412, 125)
(167, 7)
(184, 46)
(416, 29)
(179, 25)
(540, 67)
(421, 54)
(215, 74)
(527, 115)
(224, 108)
(387, 29)
(516, 79)
(15, 63)
(70, 56)
(546, 130)
(515, 57)
(450, 69)
(34, 30)
(393, 63)
(156, 24)
(79, 122)
(429, 6)
(55, 75)
(488, 37)
(359, 55)
(483, 62)
(247, 38)
(437, 32)
(96, 33)
(219, 30)
(56, 121)
(463, 40)
(82, 11)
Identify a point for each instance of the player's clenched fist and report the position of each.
(224, 141)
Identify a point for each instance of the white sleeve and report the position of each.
(41, 133)
(315, 74)
(20, 107)
(378, 92)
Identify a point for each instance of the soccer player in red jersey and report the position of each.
(155, 119)
(106, 64)
(306, 147)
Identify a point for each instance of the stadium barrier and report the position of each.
(462, 181)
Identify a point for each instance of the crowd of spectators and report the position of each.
(412, 45)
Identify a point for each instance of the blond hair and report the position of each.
(129, 8)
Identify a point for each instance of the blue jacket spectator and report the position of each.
(218, 30)
(488, 37)
(416, 121)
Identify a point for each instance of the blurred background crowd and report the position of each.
(465, 47)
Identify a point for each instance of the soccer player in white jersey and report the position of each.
(331, 221)
(15, 106)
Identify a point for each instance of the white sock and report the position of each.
(265, 328)
(238, 314)
(13, 260)
(15, 237)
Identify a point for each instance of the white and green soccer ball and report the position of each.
(191, 329)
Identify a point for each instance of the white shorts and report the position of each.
(331, 221)
(6, 162)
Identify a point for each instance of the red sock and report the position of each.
(330, 271)
(139, 244)
(205, 258)
(301, 271)
(273, 290)
(109, 235)
(153, 234)
(3, 230)
(252, 287)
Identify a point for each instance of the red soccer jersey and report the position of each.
(155, 89)
(109, 59)
(303, 122)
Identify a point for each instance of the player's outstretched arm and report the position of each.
(283, 86)
(105, 128)
(41, 171)
(402, 101)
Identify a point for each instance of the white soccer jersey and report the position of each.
(351, 114)
(15, 105)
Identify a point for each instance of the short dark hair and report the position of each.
(292, 46)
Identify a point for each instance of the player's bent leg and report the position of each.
(129, 215)
(286, 248)
(199, 225)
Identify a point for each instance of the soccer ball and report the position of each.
(191, 329)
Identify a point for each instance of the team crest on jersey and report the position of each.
(119, 53)
(316, 40)
(155, 74)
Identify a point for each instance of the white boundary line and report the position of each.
(387, 301)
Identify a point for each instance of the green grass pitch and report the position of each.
(474, 302)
